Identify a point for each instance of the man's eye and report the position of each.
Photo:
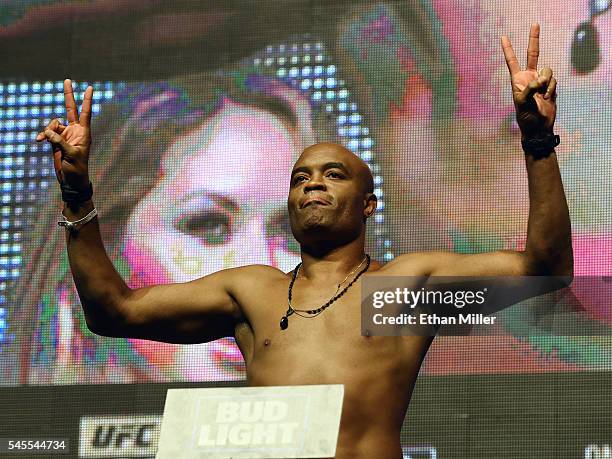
(335, 174)
(298, 179)
(212, 227)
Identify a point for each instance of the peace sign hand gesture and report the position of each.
(71, 143)
(534, 92)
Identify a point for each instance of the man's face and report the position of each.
(326, 194)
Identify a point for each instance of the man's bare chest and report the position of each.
(318, 348)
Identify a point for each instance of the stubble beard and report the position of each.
(315, 224)
(314, 217)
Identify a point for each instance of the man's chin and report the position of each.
(314, 222)
(314, 228)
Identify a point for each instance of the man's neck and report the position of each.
(332, 266)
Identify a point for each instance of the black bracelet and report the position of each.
(541, 147)
(72, 196)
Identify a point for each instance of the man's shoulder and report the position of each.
(258, 270)
(253, 287)
(254, 275)
(411, 264)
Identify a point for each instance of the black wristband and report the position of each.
(72, 196)
(541, 147)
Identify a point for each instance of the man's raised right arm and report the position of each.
(190, 312)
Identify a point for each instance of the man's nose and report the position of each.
(315, 183)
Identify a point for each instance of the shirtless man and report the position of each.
(330, 199)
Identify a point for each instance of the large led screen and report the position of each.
(200, 111)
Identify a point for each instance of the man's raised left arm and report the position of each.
(548, 250)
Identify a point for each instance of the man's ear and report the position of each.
(371, 201)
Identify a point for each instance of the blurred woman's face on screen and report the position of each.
(220, 202)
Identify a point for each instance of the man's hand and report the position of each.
(71, 143)
(534, 92)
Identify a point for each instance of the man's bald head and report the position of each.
(345, 155)
(331, 195)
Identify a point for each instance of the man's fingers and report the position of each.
(511, 60)
(533, 50)
(72, 112)
(529, 91)
(546, 73)
(550, 91)
(57, 141)
(544, 79)
(85, 118)
(55, 125)
(544, 84)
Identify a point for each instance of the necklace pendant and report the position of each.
(284, 322)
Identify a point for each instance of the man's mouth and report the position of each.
(314, 200)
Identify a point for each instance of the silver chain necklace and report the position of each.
(284, 322)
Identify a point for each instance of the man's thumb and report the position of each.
(57, 141)
(528, 92)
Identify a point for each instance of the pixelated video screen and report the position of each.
(200, 110)
(181, 161)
